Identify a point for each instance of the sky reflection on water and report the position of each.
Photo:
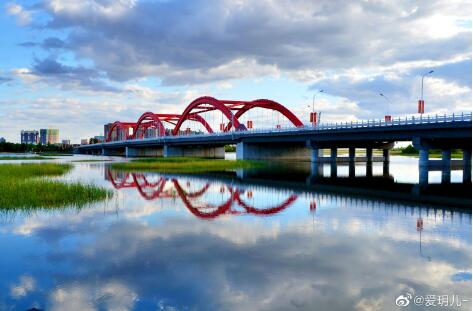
(270, 248)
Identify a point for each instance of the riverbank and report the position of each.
(27, 186)
(185, 165)
(410, 151)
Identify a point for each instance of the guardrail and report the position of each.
(374, 123)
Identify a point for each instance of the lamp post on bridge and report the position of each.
(421, 104)
(313, 114)
(387, 117)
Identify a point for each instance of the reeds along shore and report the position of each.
(185, 165)
(26, 185)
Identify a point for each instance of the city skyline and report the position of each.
(61, 66)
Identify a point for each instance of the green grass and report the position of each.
(10, 158)
(55, 154)
(26, 186)
(184, 165)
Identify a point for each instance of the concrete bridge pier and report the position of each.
(369, 155)
(212, 152)
(445, 163)
(446, 166)
(386, 155)
(423, 166)
(351, 161)
(466, 165)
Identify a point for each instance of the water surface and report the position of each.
(246, 240)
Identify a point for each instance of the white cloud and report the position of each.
(26, 285)
(23, 17)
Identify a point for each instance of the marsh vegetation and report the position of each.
(30, 185)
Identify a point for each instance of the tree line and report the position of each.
(22, 148)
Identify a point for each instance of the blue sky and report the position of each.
(76, 65)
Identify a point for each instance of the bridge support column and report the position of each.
(369, 155)
(466, 165)
(446, 165)
(333, 155)
(386, 155)
(211, 152)
(315, 154)
(351, 161)
(333, 162)
(423, 166)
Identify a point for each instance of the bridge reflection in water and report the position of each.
(271, 191)
(235, 199)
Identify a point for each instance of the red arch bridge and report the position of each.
(264, 130)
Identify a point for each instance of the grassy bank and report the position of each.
(11, 158)
(184, 165)
(24, 186)
(55, 154)
(433, 153)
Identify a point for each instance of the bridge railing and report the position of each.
(399, 121)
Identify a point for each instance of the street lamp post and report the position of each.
(420, 108)
(313, 116)
(387, 117)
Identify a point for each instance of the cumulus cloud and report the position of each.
(200, 41)
(25, 285)
(23, 17)
(353, 50)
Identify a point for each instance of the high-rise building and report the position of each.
(49, 136)
(66, 142)
(29, 137)
(84, 141)
(106, 128)
(2, 140)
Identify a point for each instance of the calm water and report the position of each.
(255, 240)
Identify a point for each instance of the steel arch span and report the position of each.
(205, 104)
(266, 104)
(157, 120)
(231, 109)
(120, 126)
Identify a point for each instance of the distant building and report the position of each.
(84, 141)
(106, 129)
(66, 142)
(2, 140)
(29, 137)
(49, 136)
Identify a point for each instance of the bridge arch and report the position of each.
(153, 120)
(118, 125)
(215, 104)
(271, 105)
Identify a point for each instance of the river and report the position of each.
(272, 239)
